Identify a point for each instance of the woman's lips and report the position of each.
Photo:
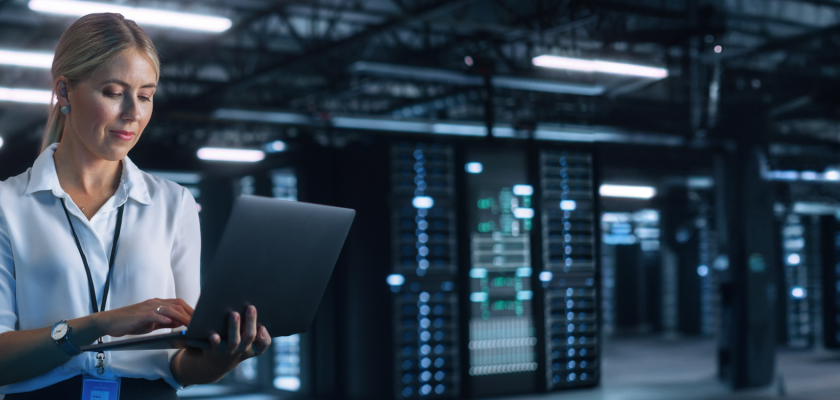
(124, 135)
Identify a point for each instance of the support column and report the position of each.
(747, 347)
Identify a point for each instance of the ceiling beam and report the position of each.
(428, 12)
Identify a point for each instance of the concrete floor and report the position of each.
(653, 368)
(656, 368)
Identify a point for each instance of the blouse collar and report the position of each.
(44, 177)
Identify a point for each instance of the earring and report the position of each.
(65, 110)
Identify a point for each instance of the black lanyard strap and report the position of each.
(84, 259)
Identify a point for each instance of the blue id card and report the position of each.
(100, 389)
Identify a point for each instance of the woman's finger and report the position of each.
(233, 333)
(176, 313)
(215, 341)
(184, 305)
(262, 342)
(250, 331)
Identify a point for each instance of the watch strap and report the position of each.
(69, 348)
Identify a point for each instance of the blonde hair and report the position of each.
(90, 42)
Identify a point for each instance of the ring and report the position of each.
(158, 310)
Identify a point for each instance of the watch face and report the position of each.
(59, 331)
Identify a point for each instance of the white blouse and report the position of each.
(43, 280)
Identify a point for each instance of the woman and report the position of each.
(91, 247)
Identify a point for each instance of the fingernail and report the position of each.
(234, 316)
(252, 310)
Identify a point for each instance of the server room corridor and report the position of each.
(658, 368)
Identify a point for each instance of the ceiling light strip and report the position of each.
(577, 64)
(142, 16)
(26, 59)
(32, 96)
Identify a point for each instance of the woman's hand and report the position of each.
(143, 317)
(243, 342)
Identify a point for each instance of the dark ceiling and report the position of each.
(308, 57)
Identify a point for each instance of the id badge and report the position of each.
(100, 389)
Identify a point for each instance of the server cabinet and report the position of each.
(830, 264)
(569, 275)
(424, 271)
(502, 331)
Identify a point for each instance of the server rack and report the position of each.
(502, 329)
(830, 257)
(424, 271)
(796, 263)
(569, 275)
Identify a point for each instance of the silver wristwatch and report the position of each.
(61, 336)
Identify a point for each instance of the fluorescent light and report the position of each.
(1, 142)
(523, 190)
(568, 205)
(275, 146)
(523, 271)
(794, 259)
(523, 213)
(546, 276)
(261, 116)
(26, 59)
(798, 292)
(832, 175)
(577, 64)
(142, 16)
(291, 383)
(25, 95)
(395, 279)
(423, 202)
(634, 192)
(223, 154)
(702, 270)
(474, 167)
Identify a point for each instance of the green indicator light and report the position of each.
(485, 314)
(526, 202)
(528, 224)
(485, 203)
(520, 310)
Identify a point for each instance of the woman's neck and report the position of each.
(80, 171)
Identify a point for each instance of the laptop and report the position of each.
(276, 255)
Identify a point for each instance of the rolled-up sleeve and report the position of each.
(8, 304)
(186, 260)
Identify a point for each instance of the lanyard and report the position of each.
(100, 357)
(84, 259)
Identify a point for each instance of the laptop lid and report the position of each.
(277, 255)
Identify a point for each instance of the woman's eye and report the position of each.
(146, 98)
(113, 94)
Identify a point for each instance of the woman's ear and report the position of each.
(61, 90)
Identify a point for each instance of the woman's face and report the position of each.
(110, 108)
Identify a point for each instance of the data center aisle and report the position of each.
(657, 368)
